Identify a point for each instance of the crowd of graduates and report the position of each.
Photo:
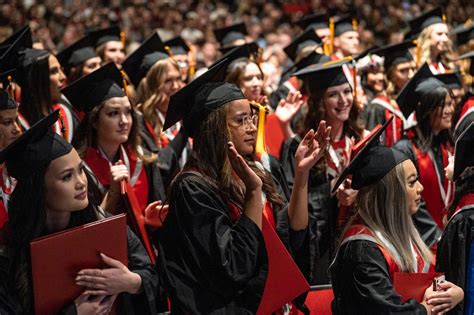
(319, 145)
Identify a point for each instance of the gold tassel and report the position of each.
(122, 38)
(260, 143)
(467, 23)
(326, 49)
(192, 63)
(354, 78)
(10, 88)
(354, 24)
(260, 56)
(124, 82)
(443, 17)
(168, 51)
(331, 35)
(63, 126)
(418, 53)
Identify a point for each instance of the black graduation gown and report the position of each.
(362, 284)
(454, 249)
(216, 266)
(322, 210)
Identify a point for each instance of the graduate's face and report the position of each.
(376, 81)
(9, 127)
(412, 185)
(115, 121)
(172, 83)
(114, 52)
(183, 63)
(56, 78)
(439, 38)
(402, 73)
(442, 116)
(252, 82)
(242, 125)
(91, 64)
(66, 184)
(337, 102)
(348, 43)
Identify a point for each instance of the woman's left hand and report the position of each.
(287, 108)
(109, 281)
(446, 298)
(155, 214)
(345, 194)
(312, 147)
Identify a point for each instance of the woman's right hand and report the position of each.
(118, 172)
(251, 181)
(100, 304)
(446, 298)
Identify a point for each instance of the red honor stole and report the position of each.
(100, 165)
(394, 130)
(339, 155)
(437, 192)
(360, 232)
(465, 201)
(466, 109)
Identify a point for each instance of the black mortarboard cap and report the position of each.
(410, 95)
(202, 95)
(305, 39)
(227, 35)
(395, 54)
(464, 33)
(314, 21)
(469, 55)
(6, 101)
(450, 79)
(105, 35)
(372, 162)
(177, 45)
(463, 157)
(344, 24)
(249, 50)
(26, 58)
(9, 57)
(35, 149)
(430, 17)
(312, 59)
(141, 60)
(93, 89)
(82, 50)
(323, 76)
(24, 33)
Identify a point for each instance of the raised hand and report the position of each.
(312, 147)
(155, 214)
(241, 168)
(287, 108)
(110, 281)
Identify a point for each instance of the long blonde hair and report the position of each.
(424, 40)
(149, 96)
(383, 208)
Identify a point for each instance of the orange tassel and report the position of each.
(260, 146)
(444, 18)
(10, 88)
(354, 78)
(63, 126)
(124, 82)
(331, 35)
(260, 56)
(122, 38)
(192, 63)
(418, 53)
(354, 24)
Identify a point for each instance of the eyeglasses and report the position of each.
(245, 121)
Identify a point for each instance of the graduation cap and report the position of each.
(10, 56)
(323, 76)
(433, 16)
(227, 35)
(34, 149)
(97, 87)
(200, 97)
(314, 21)
(395, 54)
(6, 101)
(141, 60)
(312, 59)
(469, 55)
(26, 58)
(79, 52)
(372, 162)
(105, 35)
(463, 157)
(7, 77)
(178, 46)
(344, 24)
(422, 82)
(450, 79)
(464, 33)
(307, 38)
(250, 50)
(24, 33)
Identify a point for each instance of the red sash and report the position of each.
(466, 109)
(100, 166)
(465, 201)
(151, 132)
(436, 198)
(394, 130)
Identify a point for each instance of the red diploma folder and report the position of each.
(57, 258)
(413, 285)
(285, 281)
(136, 217)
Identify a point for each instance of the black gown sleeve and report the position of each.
(454, 249)
(168, 158)
(362, 283)
(373, 115)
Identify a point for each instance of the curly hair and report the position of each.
(424, 40)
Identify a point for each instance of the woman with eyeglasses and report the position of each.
(213, 257)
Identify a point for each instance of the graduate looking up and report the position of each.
(109, 43)
(52, 195)
(212, 253)
(381, 239)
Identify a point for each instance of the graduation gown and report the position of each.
(466, 114)
(378, 111)
(455, 246)
(217, 263)
(7, 185)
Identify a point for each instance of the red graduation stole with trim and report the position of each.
(394, 130)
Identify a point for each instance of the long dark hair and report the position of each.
(27, 221)
(431, 103)
(35, 90)
(211, 159)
